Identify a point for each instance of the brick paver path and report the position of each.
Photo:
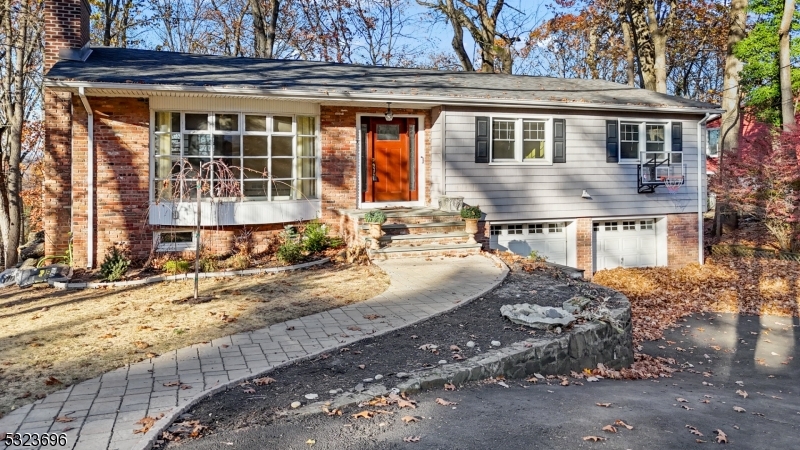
(105, 409)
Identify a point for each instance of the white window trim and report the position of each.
(642, 123)
(241, 132)
(518, 139)
(174, 246)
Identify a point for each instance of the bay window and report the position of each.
(250, 156)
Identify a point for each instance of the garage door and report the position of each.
(624, 243)
(546, 239)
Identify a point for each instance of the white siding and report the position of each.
(518, 192)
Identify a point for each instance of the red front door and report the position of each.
(391, 160)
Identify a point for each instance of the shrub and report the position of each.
(375, 216)
(536, 256)
(471, 212)
(176, 266)
(115, 264)
(238, 262)
(290, 252)
(315, 237)
(207, 264)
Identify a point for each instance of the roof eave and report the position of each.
(368, 97)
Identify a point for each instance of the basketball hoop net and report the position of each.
(673, 183)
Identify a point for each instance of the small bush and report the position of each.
(115, 264)
(375, 216)
(290, 252)
(207, 265)
(176, 266)
(315, 237)
(536, 256)
(471, 212)
(238, 262)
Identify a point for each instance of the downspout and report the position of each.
(700, 154)
(443, 186)
(89, 179)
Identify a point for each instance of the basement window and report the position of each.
(174, 241)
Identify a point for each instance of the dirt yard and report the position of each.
(51, 338)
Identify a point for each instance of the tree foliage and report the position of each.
(759, 52)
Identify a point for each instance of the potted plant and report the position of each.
(471, 214)
(375, 219)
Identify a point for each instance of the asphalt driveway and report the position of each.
(717, 355)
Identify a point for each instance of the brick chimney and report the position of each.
(66, 30)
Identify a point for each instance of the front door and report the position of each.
(391, 160)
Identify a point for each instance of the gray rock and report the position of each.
(378, 377)
(312, 396)
(334, 391)
(442, 361)
(470, 344)
(367, 380)
(537, 317)
(359, 387)
(495, 343)
(296, 405)
(401, 375)
(576, 304)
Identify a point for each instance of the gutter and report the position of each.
(700, 154)
(322, 97)
(89, 179)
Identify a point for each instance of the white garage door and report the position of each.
(624, 243)
(546, 239)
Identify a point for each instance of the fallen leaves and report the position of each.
(449, 387)
(401, 403)
(249, 391)
(409, 419)
(620, 423)
(172, 383)
(263, 381)
(444, 402)
(594, 438)
(411, 439)
(51, 380)
(742, 393)
(366, 414)
(187, 428)
(609, 429)
(681, 400)
(141, 345)
(64, 419)
(722, 438)
(694, 430)
(146, 422)
(311, 442)
(739, 409)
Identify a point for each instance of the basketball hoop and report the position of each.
(673, 183)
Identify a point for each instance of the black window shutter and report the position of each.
(559, 140)
(481, 140)
(612, 141)
(677, 137)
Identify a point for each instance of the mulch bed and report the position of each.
(479, 321)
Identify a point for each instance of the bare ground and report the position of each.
(73, 336)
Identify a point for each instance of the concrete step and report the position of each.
(417, 228)
(426, 250)
(415, 240)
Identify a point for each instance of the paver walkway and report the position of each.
(105, 409)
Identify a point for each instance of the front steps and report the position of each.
(415, 232)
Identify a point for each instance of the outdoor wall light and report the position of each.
(388, 115)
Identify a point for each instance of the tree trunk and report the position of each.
(731, 121)
(274, 6)
(591, 57)
(643, 43)
(787, 102)
(630, 58)
(458, 37)
(259, 30)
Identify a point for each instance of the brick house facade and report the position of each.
(527, 195)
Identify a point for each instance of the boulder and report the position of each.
(537, 317)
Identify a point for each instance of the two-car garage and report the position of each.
(625, 242)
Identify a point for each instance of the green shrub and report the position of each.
(115, 264)
(173, 267)
(315, 237)
(471, 212)
(537, 257)
(290, 252)
(207, 265)
(375, 216)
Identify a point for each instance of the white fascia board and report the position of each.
(377, 98)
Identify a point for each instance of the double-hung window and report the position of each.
(252, 156)
(638, 137)
(521, 140)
